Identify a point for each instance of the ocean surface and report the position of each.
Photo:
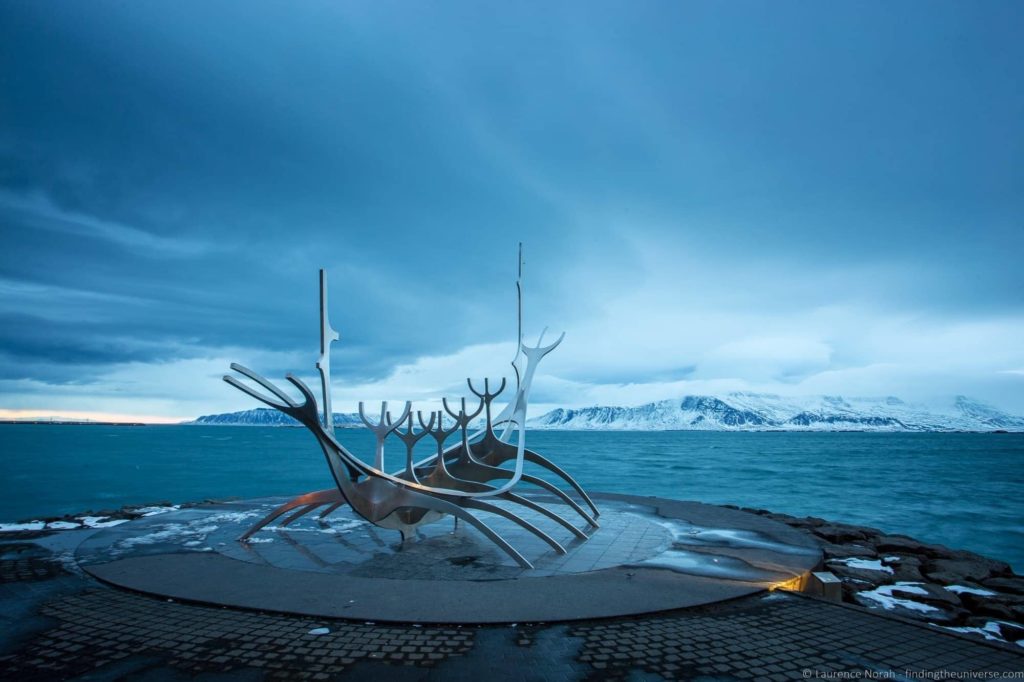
(964, 490)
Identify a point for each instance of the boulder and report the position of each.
(935, 596)
(945, 578)
(840, 533)
(905, 568)
(907, 573)
(807, 522)
(1011, 632)
(1007, 600)
(943, 553)
(901, 544)
(834, 551)
(852, 587)
(974, 570)
(781, 518)
(980, 607)
(864, 575)
(1014, 584)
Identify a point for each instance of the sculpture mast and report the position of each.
(519, 316)
(323, 363)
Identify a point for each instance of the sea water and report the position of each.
(965, 490)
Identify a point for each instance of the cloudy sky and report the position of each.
(794, 197)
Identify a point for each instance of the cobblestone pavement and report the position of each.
(63, 626)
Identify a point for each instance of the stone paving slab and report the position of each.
(105, 634)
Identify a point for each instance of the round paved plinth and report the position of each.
(648, 555)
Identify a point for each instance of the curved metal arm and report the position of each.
(284, 400)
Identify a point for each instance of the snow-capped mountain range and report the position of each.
(765, 412)
(265, 416)
(730, 412)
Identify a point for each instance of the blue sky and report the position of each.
(795, 197)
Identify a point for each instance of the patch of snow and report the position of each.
(320, 631)
(30, 525)
(863, 564)
(962, 589)
(101, 521)
(258, 540)
(168, 532)
(231, 517)
(62, 525)
(153, 511)
(883, 597)
(990, 631)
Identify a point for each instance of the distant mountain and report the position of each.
(265, 416)
(763, 412)
(729, 412)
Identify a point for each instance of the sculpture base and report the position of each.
(648, 555)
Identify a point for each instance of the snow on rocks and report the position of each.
(63, 525)
(23, 526)
(862, 564)
(101, 521)
(885, 596)
(93, 519)
(951, 588)
(964, 589)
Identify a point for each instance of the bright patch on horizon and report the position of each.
(58, 416)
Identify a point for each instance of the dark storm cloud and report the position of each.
(171, 175)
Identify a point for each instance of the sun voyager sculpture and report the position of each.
(462, 479)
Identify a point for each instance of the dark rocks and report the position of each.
(914, 577)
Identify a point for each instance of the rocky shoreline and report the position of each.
(949, 588)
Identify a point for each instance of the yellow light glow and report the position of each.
(792, 585)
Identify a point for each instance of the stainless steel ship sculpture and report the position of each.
(459, 480)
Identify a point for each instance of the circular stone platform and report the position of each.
(649, 554)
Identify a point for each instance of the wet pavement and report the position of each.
(647, 555)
